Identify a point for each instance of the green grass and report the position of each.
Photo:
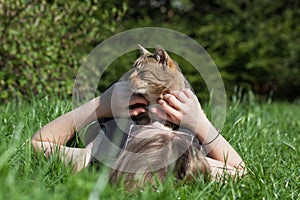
(266, 136)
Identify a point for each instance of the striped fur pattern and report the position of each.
(155, 74)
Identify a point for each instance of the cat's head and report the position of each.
(155, 74)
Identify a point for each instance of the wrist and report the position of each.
(208, 142)
(202, 129)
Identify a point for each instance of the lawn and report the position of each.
(265, 134)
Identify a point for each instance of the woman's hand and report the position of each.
(182, 108)
(115, 102)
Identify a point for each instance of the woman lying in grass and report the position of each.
(147, 152)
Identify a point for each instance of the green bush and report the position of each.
(44, 42)
(255, 44)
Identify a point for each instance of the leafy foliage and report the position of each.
(255, 44)
(44, 42)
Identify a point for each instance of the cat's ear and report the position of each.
(162, 57)
(143, 50)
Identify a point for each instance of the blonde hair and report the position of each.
(146, 160)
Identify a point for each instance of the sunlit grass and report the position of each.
(266, 136)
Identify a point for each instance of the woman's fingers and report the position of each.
(159, 113)
(181, 96)
(121, 100)
(180, 107)
(136, 111)
(188, 92)
(170, 110)
(172, 101)
(134, 100)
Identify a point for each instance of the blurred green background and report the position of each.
(255, 44)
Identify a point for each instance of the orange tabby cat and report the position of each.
(154, 74)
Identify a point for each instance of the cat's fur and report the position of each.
(154, 74)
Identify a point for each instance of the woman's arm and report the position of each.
(183, 107)
(54, 135)
(63, 128)
(224, 156)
